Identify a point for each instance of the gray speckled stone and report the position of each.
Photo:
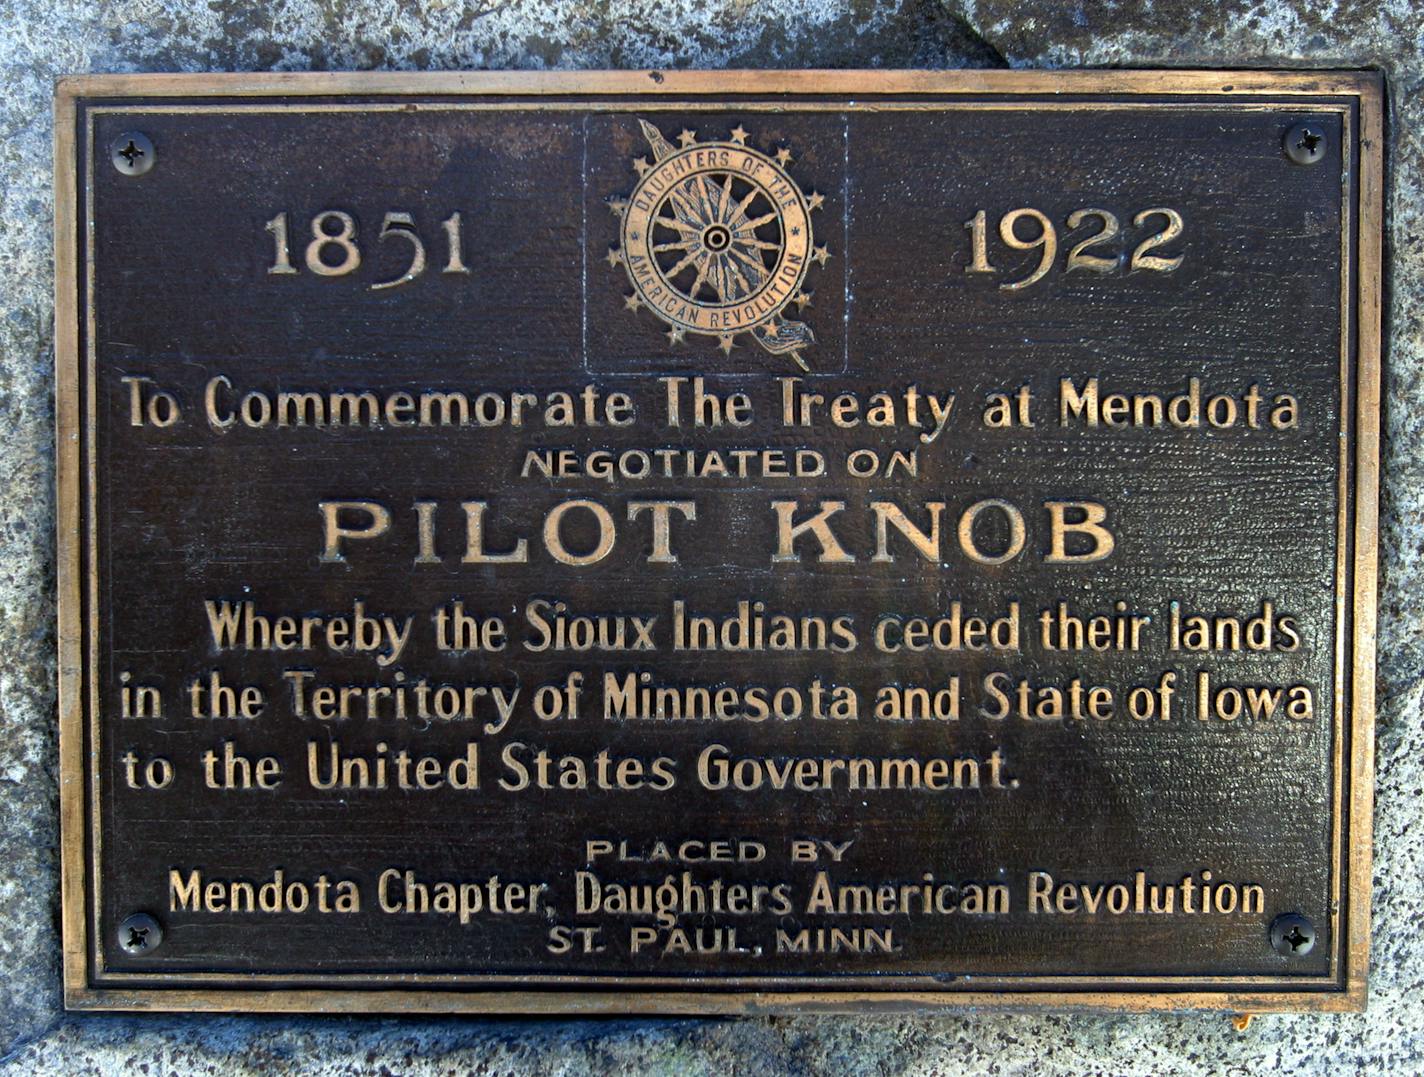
(41, 39)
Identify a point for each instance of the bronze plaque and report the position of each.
(694, 542)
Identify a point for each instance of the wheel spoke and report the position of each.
(712, 198)
(695, 190)
(725, 200)
(685, 210)
(759, 244)
(676, 245)
(677, 225)
(730, 288)
(752, 278)
(739, 214)
(756, 268)
(704, 265)
(675, 270)
(764, 219)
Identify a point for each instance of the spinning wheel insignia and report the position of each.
(716, 239)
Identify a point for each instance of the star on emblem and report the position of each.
(727, 343)
(802, 300)
(676, 335)
(615, 256)
(687, 138)
(641, 166)
(616, 206)
(783, 157)
(739, 135)
(820, 254)
(632, 302)
(814, 200)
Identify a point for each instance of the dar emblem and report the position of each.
(716, 238)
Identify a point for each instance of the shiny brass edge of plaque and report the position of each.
(1359, 502)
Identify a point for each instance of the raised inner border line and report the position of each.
(786, 992)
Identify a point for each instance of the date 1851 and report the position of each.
(334, 249)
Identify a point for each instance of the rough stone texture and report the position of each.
(41, 39)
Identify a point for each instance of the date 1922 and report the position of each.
(1160, 224)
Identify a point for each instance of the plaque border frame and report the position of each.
(87, 987)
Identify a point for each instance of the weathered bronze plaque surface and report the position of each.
(717, 542)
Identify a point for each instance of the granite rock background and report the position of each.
(42, 39)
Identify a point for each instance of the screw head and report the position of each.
(139, 934)
(132, 153)
(1305, 143)
(1292, 935)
